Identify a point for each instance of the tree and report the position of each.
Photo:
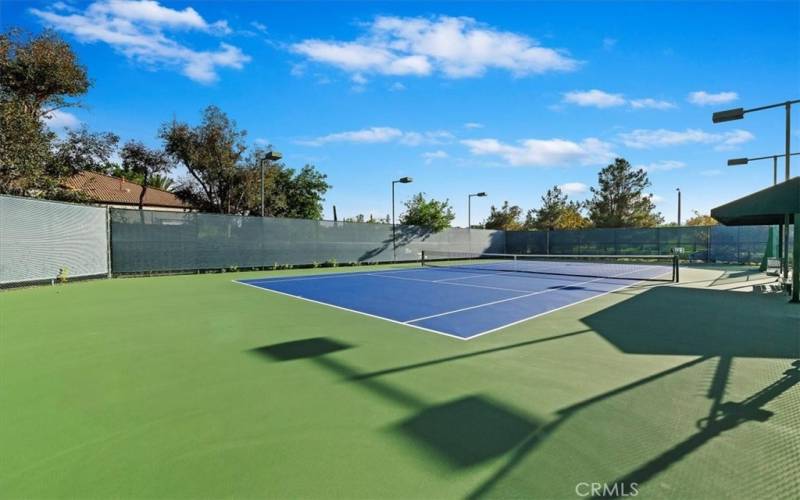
(38, 75)
(83, 150)
(294, 194)
(145, 162)
(212, 154)
(39, 72)
(701, 220)
(506, 218)
(431, 214)
(358, 218)
(620, 200)
(556, 212)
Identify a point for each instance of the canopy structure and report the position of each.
(767, 207)
(776, 205)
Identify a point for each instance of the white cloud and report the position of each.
(544, 152)
(59, 120)
(595, 98)
(734, 138)
(434, 155)
(62, 6)
(473, 125)
(602, 99)
(397, 87)
(259, 26)
(457, 47)
(359, 79)
(651, 138)
(138, 29)
(657, 198)
(703, 98)
(661, 166)
(150, 12)
(574, 188)
(376, 135)
(651, 103)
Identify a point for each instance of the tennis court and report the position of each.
(465, 295)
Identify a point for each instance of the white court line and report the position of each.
(464, 277)
(351, 310)
(448, 283)
(518, 297)
(279, 279)
(554, 310)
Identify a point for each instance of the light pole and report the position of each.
(679, 206)
(469, 207)
(738, 114)
(744, 161)
(401, 180)
(270, 156)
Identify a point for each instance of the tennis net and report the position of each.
(625, 267)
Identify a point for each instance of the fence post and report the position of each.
(547, 242)
(108, 240)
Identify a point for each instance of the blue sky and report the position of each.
(508, 98)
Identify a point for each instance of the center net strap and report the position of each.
(625, 267)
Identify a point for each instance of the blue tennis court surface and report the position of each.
(461, 303)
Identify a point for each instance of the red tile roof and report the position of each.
(101, 188)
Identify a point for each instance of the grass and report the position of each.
(192, 386)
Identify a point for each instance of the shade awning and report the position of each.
(765, 207)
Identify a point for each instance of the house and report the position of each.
(118, 192)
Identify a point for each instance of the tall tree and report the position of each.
(145, 162)
(38, 75)
(212, 154)
(293, 194)
(428, 213)
(620, 199)
(83, 150)
(506, 218)
(39, 72)
(556, 212)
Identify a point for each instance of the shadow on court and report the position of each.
(701, 322)
(460, 433)
(715, 326)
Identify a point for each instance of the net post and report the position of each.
(422, 260)
(676, 264)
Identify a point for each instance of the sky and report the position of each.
(507, 98)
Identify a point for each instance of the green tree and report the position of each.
(431, 214)
(294, 194)
(83, 150)
(145, 162)
(620, 200)
(38, 75)
(701, 220)
(556, 212)
(212, 153)
(358, 218)
(506, 218)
